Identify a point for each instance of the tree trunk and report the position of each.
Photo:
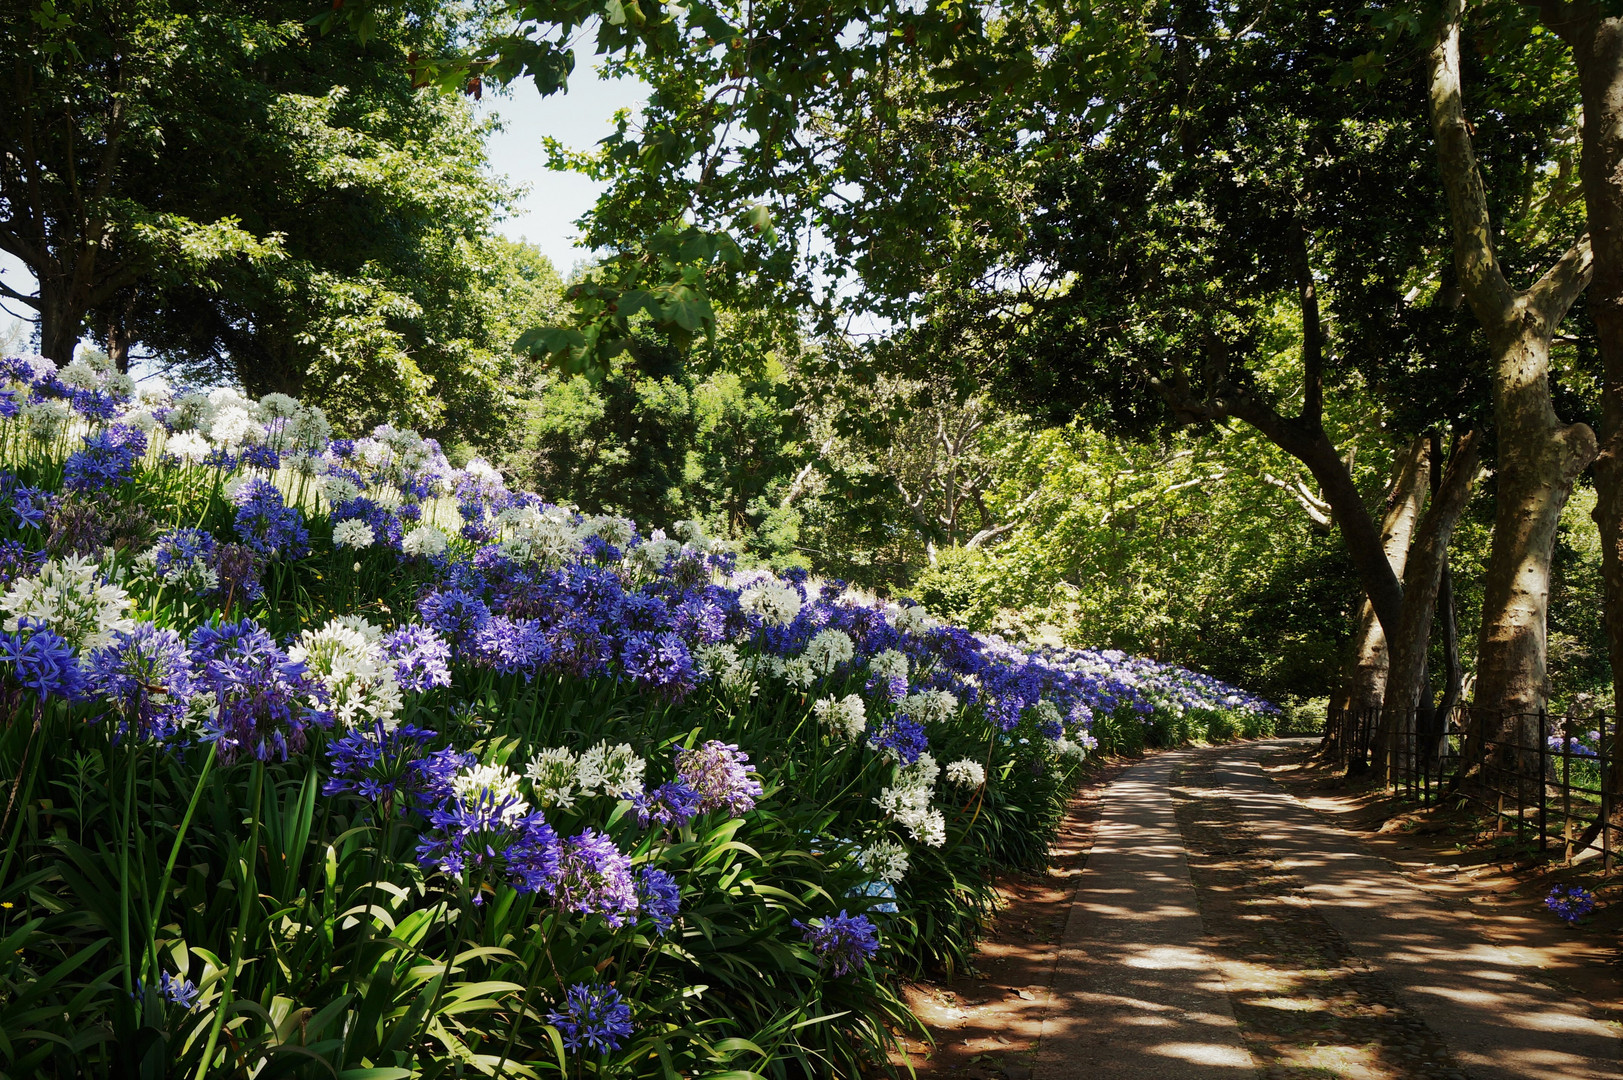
(1597, 51)
(1538, 455)
(1406, 680)
(60, 320)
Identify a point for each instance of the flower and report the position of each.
(720, 774)
(393, 766)
(659, 896)
(610, 770)
(107, 459)
(477, 832)
(845, 717)
(353, 533)
(145, 674)
(843, 943)
(552, 774)
(494, 783)
(593, 1017)
(182, 559)
(1571, 903)
(900, 738)
(775, 605)
(908, 801)
(188, 446)
(422, 659)
(175, 989)
(594, 876)
(69, 597)
(42, 661)
(268, 525)
(346, 656)
(966, 773)
(256, 698)
(669, 804)
(424, 540)
(827, 650)
(885, 859)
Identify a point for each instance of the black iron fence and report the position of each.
(1547, 778)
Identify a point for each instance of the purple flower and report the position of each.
(900, 736)
(175, 989)
(238, 568)
(28, 506)
(719, 773)
(668, 804)
(660, 897)
(146, 675)
(1571, 903)
(490, 839)
(260, 696)
(267, 525)
(421, 657)
(659, 662)
(42, 661)
(593, 1017)
(455, 613)
(17, 560)
(394, 767)
(107, 459)
(509, 646)
(842, 942)
(594, 876)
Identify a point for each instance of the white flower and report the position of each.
(347, 657)
(777, 605)
(153, 390)
(722, 664)
(277, 407)
(353, 533)
(610, 529)
(929, 706)
(140, 420)
(827, 650)
(652, 555)
(966, 773)
(493, 784)
(337, 489)
(233, 426)
(309, 429)
(45, 419)
(1045, 713)
(844, 717)
(188, 446)
(886, 860)
(912, 619)
(552, 774)
(229, 398)
(81, 375)
(69, 596)
(907, 801)
(1065, 748)
(40, 366)
(424, 540)
(610, 770)
(890, 664)
(483, 472)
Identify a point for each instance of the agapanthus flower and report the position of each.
(594, 877)
(42, 660)
(907, 801)
(720, 773)
(28, 506)
(1570, 903)
(346, 657)
(145, 674)
(827, 650)
(659, 662)
(670, 805)
(353, 533)
(610, 770)
(17, 560)
(774, 605)
(900, 738)
(422, 659)
(454, 613)
(842, 943)
(424, 540)
(258, 699)
(183, 559)
(107, 459)
(885, 859)
(70, 597)
(267, 524)
(659, 896)
(175, 989)
(487, 838)
(966, 773)
(552, 773)
(189, 447)
(237, 569)
(593, 1018)
(393, 766)
(509, 646)
(845, 718)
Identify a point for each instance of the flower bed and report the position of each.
(328, 758)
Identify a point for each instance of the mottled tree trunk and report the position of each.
(1538, 456)
(1406, 679)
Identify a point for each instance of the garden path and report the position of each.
(1222, 929)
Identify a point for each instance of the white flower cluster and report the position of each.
(558, 777)
(827, 650)
(777, 605)
(651, 556)
(722, 664)
(69, 596)
(1045, 713)
(549, 537)
(912, 619)
(347, 657)
(907, 801)
(424, 540)
(493, 783)
(45, 420)
(885, 859)
(353, 533)
(930, 706)
(609, 529)
(845, 718)
(890, 664)
(189, 446)
(1066, 748)
(966, 773)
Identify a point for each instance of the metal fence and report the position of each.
(1546, 778)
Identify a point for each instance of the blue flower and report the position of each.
(719, 772)
(841, 942)
(267, 525)
(421, 657)
(1571, 903)
(42, 661)
(107, 459)
(900, 736)
(660, 897)
(28, 506)
(393, 766)
(593, 1017)
(146, 676)
(261, 697)
(670, 804)
(490, 838)
(594, 877)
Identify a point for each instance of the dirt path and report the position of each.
(1222, 928)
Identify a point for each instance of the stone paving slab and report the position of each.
(1486, 1001)
(1135, 996)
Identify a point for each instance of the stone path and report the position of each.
(1282, 912)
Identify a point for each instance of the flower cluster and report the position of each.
(1570, 903)
(593, 1018)
(842, 943)
(721, 776)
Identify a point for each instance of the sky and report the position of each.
(546, 213)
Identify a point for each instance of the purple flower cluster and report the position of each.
(146, 676)
(593, 1018)
(422, 659)
(175, 989)
(594, 877)
(42, 661)
(660, 897)
(1570, 903)
(267, 525)
(842, 943)
(721, 775)
(107, 459)
(395, 768)
(260, 698)
(901, 737)
(490, 839)
(670, 805)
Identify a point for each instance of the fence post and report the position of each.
(1543, 788)
(1566, 794)
(1607, 753)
